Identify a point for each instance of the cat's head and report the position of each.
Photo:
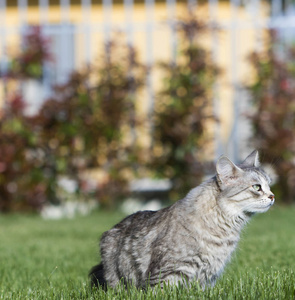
(244, 187)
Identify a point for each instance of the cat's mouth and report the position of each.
(272, 201)
(268, 202)
(263, 206)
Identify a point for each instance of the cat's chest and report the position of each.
(204, 257)
(208, 249)
(209, 257)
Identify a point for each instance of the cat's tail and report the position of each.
(97, 276)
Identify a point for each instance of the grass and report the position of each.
(42, 259)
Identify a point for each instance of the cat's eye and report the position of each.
(257, 187)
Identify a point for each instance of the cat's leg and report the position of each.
(168, 278)
(119, 259)
(109, 256)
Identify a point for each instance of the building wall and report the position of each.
(147, 27)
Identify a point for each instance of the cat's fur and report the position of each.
(192, 239)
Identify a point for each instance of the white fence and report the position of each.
(78, 28)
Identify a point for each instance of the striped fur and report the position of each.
(191, 240)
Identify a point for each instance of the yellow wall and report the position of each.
(161, 49)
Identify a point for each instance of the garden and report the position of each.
(50, 259)
(91, 123)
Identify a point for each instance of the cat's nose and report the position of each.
(272, 197)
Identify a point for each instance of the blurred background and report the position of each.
(130, 103)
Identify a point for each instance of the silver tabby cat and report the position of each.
(191, 240)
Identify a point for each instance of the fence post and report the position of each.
(107, 6)
(150, 27)
(86, 11)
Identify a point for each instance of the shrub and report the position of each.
(183, 109)
(272, 93)
(90, 122)
(22, 183)
(86, 124)
(34, 52)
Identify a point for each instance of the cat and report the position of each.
(191, 240)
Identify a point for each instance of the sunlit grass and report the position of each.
(50, 260)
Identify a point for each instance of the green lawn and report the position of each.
(50, 260)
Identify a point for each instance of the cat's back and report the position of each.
(140, 222)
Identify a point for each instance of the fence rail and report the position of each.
(78, 30)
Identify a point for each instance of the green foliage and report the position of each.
(272, 92)
(34, 52)
(183, 109)
(22, 184)
(91, 122)
(51, 259)
(86, 125)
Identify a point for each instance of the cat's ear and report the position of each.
(227, 171)
(252, 160)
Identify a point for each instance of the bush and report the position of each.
(272, 93)
(34, 53)
(85, 125)
(90, 122)
(22, 183)
(184, 108)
